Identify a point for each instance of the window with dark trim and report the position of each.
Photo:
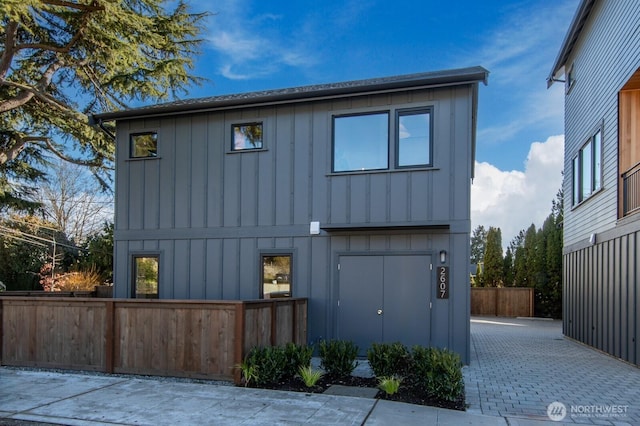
(143, 145)
(362, 141)
(413, 138)
(587, 169)
(276, 274)
(570, 79)
(145, 276)
(246, 136)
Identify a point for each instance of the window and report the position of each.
(587, 169)
(276, 276)
(570, 79)
(143, 145)
(246, 136)
(361, 142)
(145, 277)
(414, 138)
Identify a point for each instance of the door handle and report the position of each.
(379, 311)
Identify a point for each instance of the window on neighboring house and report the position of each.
(246, 136)
(143, 145)
(276, 275)
(587, 169)
(413, 138)
(570, 79)
(145, 276)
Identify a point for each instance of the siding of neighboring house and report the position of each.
(602, 62)
(209, 213)
(601, 248)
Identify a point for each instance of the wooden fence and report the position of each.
(200, 339)
(502, 302)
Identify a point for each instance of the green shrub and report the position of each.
(389, 359)
(338, 357)
(389, 385)
(269, 365)
(248, 372)
(297, 356)
(310, 376)
(436, 372)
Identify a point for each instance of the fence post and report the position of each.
(238, 355)
(274, 322)
(109, 336)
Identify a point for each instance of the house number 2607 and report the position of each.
(443, 282)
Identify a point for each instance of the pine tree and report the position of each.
(478, 244)
(61, 61)
(508, 268)
(493, 262)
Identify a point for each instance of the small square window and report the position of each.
(414, 138)
(144, 145)
(145, 277)
(276, 276)
(246, 136)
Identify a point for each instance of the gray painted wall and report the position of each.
(210, 213)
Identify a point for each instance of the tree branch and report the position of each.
(62, 156)
(11, 153)
(86, 7)
(9, 49)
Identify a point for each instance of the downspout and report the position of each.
(100, 124)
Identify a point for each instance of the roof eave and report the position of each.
(307, 93)
(570, 39)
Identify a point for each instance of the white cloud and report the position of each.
(513, 200)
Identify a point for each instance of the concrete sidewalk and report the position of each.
(88, 399)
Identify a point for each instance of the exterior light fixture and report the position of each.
(443, 256)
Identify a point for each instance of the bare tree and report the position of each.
(74, 201)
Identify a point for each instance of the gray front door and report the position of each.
(384, 298)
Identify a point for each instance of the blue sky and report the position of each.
(258, 45)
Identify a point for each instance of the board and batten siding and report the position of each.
(601, 288)
(209, 213)
(605, 57)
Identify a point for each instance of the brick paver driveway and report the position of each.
(520, 366)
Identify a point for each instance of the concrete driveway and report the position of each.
(521, 366)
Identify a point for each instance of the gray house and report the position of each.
(599, 64)
(354, 195)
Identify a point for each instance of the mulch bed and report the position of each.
(404, 394)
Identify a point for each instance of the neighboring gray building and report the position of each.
(348, 194)
(599, 63)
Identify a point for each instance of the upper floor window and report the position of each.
(570, 79)
(587, 169)
(246, 136)
(143, 145)
(362, 141)
(414, 138)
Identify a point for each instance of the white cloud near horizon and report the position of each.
(513, 200)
